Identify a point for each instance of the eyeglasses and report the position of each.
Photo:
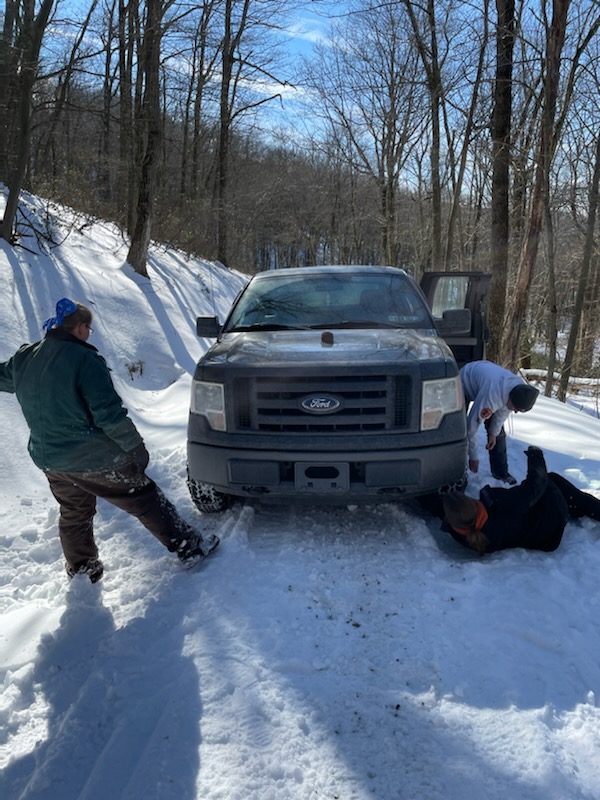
(89, 327)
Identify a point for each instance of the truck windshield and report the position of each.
(343, 300)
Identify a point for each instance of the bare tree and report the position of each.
(9, 59)
(128, 52)
(202, 69)
(150, 131)
(465, 135)
(547, 142)
(64, 84)
(21, 43)
(229, 46)
(501, 159)
(552, 305)
(109, 35)
(368, 92)
(427, 45)
(583, 275)
(242, 20)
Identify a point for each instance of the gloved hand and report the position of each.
(140, 456)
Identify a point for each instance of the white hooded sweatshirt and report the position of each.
(486, 385)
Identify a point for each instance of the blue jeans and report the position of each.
(498, 457)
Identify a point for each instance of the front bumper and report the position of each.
(341, 477)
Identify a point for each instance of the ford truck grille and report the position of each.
(367, 403)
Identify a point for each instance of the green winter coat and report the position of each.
(76, 419)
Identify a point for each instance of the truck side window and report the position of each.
(450, 292)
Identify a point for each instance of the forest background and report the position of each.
(432, 135)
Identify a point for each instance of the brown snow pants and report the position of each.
(128, 488)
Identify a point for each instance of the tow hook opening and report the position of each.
(322, 473)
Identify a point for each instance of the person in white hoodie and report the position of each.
(493, 393)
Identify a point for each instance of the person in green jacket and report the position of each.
(85, 443)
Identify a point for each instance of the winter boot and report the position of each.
(505, 477)
(195, 548)
(93, 568)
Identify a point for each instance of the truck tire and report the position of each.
(206, 498)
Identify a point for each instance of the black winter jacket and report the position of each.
(532, 515)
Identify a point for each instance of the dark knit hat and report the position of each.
(523, 397)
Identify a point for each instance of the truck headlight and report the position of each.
(440, 398)
(208, 399)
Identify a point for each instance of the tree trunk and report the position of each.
(552, 313)
(151, 119)
(547, 143)
(128, 26)
(467, 135)
(430, 60)
(203, 67)
(8, 73)
(31, 35)
(501, 155)
(583, 277)
(105, 185)
(583, 360)
(224, 137)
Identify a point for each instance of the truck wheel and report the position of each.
(206, 498)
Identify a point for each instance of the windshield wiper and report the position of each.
(264, 326)
(321, 326)
(354, 323)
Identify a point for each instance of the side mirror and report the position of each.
(208, 327)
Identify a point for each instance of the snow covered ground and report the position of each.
(346, 653)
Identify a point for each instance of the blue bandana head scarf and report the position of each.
(64, 308)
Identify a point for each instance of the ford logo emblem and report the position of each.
(320, 404)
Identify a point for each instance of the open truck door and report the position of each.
(458, 302)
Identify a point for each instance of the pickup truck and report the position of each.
(335, 384)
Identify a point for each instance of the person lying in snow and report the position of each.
(86, 444)
(532, 515)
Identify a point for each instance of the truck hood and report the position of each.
(376, 346)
